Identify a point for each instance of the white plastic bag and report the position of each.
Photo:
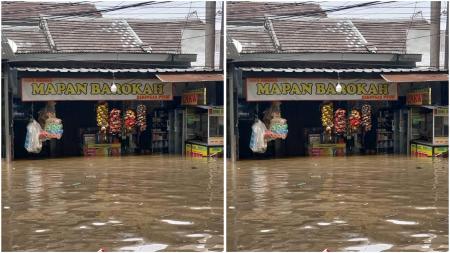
(257, 142)
(32, 142)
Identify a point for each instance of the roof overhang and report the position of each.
(190, 77)
(205, 72)
(415, 77)
(393, 71)
(104, 57)
(330, 57)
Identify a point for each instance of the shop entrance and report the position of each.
(307, 136)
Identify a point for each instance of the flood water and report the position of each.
(143, 203)
(370, 203)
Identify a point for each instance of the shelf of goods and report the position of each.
(385, 135)
(160, 141)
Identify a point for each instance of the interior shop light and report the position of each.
(114, 86)
(338, 86)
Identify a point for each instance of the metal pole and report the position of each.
(435, 33)
(210, 31)
(446, 40)
(230, 109)
(222, 38)
(6, 116)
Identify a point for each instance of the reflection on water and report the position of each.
(144, 203)
(371, 203)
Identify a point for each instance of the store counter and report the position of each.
(91, 149)
(427, 149)
(338, 149)
(202, 149)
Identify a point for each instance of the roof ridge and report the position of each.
(44, 26)
(269, 26)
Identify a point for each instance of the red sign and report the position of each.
(418, 97)
(189, 99)
(414, 99)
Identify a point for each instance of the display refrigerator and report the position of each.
(428, 131)
(203, 127)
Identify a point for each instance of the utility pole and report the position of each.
(446, 41)
(435, 33)
(210, 33)
(221, 36)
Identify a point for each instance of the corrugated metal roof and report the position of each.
(191, 77)
(416, 77)
(130, 70)
(327, 70)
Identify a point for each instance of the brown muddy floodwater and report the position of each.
(370, 203)
(140, 203)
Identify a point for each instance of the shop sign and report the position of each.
(440, 140)
(47, 89)
(419, 97)
(216, 112)
(193, 97)
(441, 111)
(215, 141)
(278, 89)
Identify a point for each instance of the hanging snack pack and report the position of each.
(115, 122)
(355, 121)
(327, 117)
(33, 143)
(340, 124)
(142, 117)
(54, 128)
(102, 116)
(130, 120)
(366, 111)
(278, 128)
(258, 144)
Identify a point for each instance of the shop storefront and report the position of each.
(111, 112)
(337, 112)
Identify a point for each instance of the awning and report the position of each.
(191, 77)
(415, 77)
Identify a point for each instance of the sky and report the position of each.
(180, 9)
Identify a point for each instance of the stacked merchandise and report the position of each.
(115, 122)
(366, 117)
(355, 121)
(102, 117)
(340, 124)
(327, 117)
(130, 120)
(142, 117)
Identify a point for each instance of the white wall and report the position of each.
(418, 42)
